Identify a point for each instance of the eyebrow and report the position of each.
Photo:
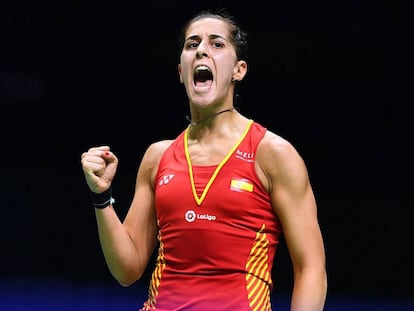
(212, 36)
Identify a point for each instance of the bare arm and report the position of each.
(293, 201)
(127, 245)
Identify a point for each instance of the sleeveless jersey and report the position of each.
(218, 232)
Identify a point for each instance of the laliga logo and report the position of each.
(191, 216)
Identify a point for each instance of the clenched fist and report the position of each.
(99, 166)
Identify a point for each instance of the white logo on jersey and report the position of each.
(245, 156)
(191, 216)
(166, 179)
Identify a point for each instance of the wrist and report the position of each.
(103, 199)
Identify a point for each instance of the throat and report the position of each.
(195, 123)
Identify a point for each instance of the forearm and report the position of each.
(309, 291)
(118, 248)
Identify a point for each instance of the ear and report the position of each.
(240, 70)
(179, 73)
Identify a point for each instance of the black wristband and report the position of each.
(102, 200)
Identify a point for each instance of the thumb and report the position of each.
(111, 165)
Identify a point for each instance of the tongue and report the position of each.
(206, 83)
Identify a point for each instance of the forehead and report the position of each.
(208, 26)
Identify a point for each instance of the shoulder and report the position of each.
(156, 150)
(279, 160)
(151, 159)
(276, 147)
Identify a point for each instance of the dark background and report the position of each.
(333, 77)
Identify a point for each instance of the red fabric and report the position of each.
(209, 252)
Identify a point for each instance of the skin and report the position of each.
(128, 245)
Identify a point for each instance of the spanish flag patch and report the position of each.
(241, 184)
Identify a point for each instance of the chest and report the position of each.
(209, 153)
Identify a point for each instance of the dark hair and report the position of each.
(238, 37)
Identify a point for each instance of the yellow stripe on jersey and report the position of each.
(258, 276)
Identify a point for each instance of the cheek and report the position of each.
(226, 73)
(184, 68)
(227, 65)
(184, 75)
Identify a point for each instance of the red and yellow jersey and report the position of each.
(218, 232)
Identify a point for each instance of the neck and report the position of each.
(195, 123)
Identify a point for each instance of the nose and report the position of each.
(201, 54)
(201, 50)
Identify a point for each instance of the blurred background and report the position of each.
(333, 77)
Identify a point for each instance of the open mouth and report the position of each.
(203, 76)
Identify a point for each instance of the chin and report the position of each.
(202, 100)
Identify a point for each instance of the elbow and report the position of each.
(128, 278)
(125, 283)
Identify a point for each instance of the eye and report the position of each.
(192, 45)
(217, 44)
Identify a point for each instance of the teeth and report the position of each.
(202, 67)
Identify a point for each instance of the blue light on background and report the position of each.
(48, 295)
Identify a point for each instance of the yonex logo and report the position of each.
(191, 216)
(166, 179)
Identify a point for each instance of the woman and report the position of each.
(215, 200)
